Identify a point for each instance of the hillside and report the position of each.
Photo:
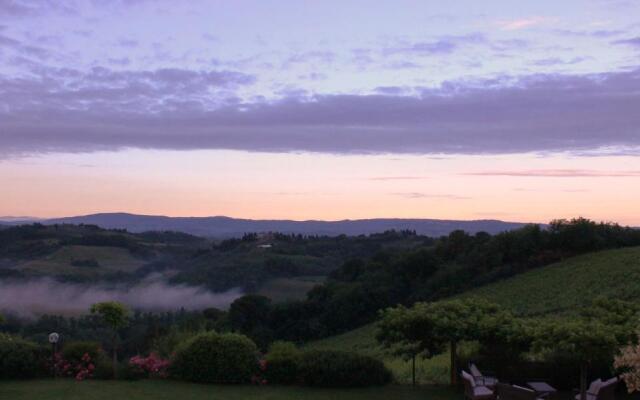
(281, 266)
(558, 288)
(225, 227)
(567, 285)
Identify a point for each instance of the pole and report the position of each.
(53, 359)
(413, 370)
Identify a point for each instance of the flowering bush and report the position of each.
(259, 377)
(152, 366)
(629, 361)
(81, 369)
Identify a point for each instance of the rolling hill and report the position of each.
(224, 227)
(565, 286)
(559, 288)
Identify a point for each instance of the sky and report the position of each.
(495, 109)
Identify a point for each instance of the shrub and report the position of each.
(20, 359)
(79, 369)
(152, 366)
(281, 363)
(166, 345)
(75, 351)
(216, 358)
(341, 369)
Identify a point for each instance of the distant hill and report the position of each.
(225, 227)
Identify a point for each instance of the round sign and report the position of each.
(54, 337)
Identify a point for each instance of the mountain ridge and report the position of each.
(226, 227)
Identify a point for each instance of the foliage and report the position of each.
(282, 363)
(80, 369)
(152, 366)
(249, 315)
(581, 340)
(21, 359)
(113, 313)
(75, 351)
(341, 369)
(216, 358)
(426, 328)
(166, 345)
(628, 361)
(568, 286)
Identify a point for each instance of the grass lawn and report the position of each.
(171, 390)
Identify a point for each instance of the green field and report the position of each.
(282, 289)
(171, 390)
(110, 259)
(568, 285)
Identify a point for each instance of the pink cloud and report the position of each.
(522, 23)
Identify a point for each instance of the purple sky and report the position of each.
(465, 81)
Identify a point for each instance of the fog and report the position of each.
(42, 296)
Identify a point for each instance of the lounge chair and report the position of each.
(473, 391)
(480, 379)
(514, 392)
(599, 390)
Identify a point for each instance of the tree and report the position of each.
(581, 339)
(115, 316)
(409, 332)
(426, 328)
(250, 316)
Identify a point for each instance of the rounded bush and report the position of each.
(216, 358)
(341, 369)
(20, 359)
(281, 363)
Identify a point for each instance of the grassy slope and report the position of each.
(560, 287)
(281, 289)
(169, 390)
(565, 286)
(109, 258)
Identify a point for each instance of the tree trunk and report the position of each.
(583, 381)
(454, 367)
(115, 358)
(413, 370)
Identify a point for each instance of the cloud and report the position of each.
(442, 45)
(398, 178)
(635, 42)
(545, 62)
(27, 8)
(73, 111)
(418, 195)
(522, 23)
(45, 296)
(560, 173)
(599, 33)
